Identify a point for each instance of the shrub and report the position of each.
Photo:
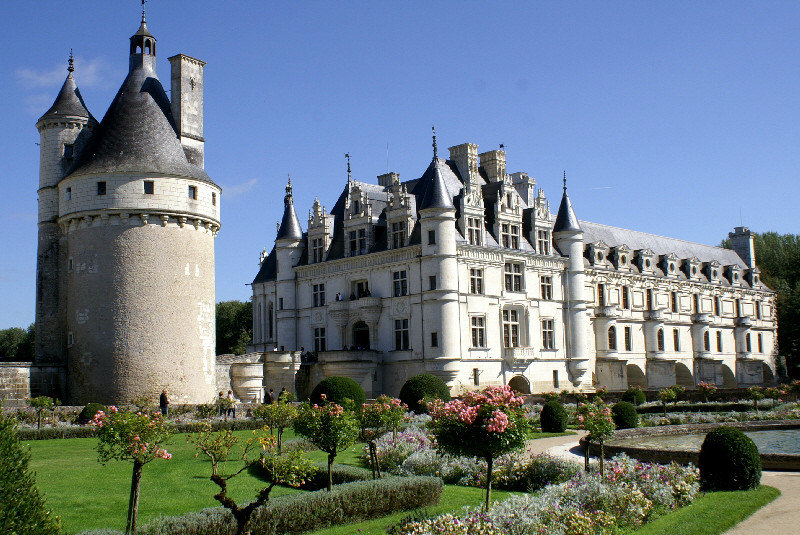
(528, 474)
(634, 395)
(554, 417)
(625, 415)
(729, 460)
(423, 386)
(206, 411)
(87, 413)
(338, 389)
(341, 473)
(22, 508)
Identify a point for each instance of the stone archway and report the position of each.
(520, 384)
(728, 378)
(360, 335)
(769, 377)
(636, 376)
(683, 376)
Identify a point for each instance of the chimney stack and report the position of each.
(187, 105)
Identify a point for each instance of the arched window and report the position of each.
(706, 341)
(660, 339)
(269, 322)
(612, 338)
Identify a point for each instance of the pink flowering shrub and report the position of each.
(707, 390)
(596, 418)
(385, 414)
(483, 424)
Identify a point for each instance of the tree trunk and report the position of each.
(586, 453)
(133, 503)
(38, 419)
(602, 456)
(280, 439)
(488, 482)
(331, 457)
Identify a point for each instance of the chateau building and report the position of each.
(127, 221)
(465, 273)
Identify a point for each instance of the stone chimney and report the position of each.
(388, 179)
(187, 105)
(494, 163)
(465, 157)
(742, 242)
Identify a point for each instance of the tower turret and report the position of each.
(288, 247)
(63, 132)
(568, 236)
(143, 47)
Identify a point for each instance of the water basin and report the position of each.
(778, 441)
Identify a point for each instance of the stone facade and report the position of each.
(487, 287)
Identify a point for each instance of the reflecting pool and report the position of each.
(768, 441)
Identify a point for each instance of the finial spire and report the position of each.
(565, 180)
(435, 147)
(349, 172)
(289, 187)
(144, 15)
(71, 67)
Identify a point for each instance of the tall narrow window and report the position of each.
(547, 287)
(478, 331)
(612, 338)
(434, 339)
(649, 299)
(400, 280)
(513, 277)
(548, 334)
(317, 249)
(69, 151)
(601, 295)
(706, 341)
(280, 303)
(476, 281)
(676, 340)
(69, 194)
(626, 298)
(431, 237)
(511, 328)
(760, 340)
(747, 345)
(738, 304)
(362, 241)
(431, 282)
(474, 235)
(628, 340)
(398, 235)
(673, 301)
(476, 376)
(149, 187)
(716, 306)
(660, 339)
(555, 379)
(543, 241)
(758, 310)
(193, 192)
(401, 335)
(318, 295)
(696, 304)
(353, 242)
(213, 198)
(719, 341)
(101, 188)
(319, 339)
(269, 321)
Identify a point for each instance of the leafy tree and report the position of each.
(41, 404)
(277, 416)
(234, 326)
(386, 414)
(329, 427)
(291, 469)
(17, 344)
(666, 396)
(707, 390)
(134, 437)
(22, 508)
(481, 424)
(597, 419)
(756, 394)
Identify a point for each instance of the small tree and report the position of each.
(481, 424)
(386, 414)
(277, 417)
(667, 395)
(41, 404)
(134, 437)
(580, 397)
(329, 427)
(756, 394)
(596, 418)
(773, 394)
(291, 469)
(143, 404)
(680, 392)
(707, 390)
(600, 394)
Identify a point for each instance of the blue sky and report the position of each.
(678, 118)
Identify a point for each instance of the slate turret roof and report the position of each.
(435, 190)
(290, 225)
(566, 220)
(68, 103)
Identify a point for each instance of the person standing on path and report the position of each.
(270, 399)
(163, 403)
(232, 410)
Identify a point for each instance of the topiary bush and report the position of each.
(423, 386)
(634, 395)
(88, 412)
(337, 389)
(729, 460)
(625, 415)
(553, 418)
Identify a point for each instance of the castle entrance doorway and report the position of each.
(360, 335)
(520, 385)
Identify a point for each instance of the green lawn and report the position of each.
(712, 513)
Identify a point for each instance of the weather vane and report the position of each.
(349, 174)
(565, 180)
(435, 148)
(71, 67)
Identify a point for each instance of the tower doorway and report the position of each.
(360, 335)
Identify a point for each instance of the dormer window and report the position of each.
(474, 235)
(356, 207)
(600, 256)
(398, 234)
(69, 151)
(509, 236)
(543, 241)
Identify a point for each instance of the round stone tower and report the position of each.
(139, 220)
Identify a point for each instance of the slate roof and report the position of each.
(436, 193)
(269, 268)
(137, 134)
(290, 225)
(566, 220)
(68, 103)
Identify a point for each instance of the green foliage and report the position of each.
(41, 404)
(423, 386)
(634, 395)
(729, 460)
(206, 411)
(596, 419)
(337, 390)
(666, 396)
(553, 418)
(88, 412)
(529, 474)
(341, 473)
(625, 415)
(18, 344)
(234, 327)
(22, 508)
(277, 416)
(707, 390)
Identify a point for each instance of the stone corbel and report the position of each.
(181, 222)
(145, 218)
(164, 220)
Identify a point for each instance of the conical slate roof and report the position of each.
(436, 194)
(566, 220)
(68, 103)
(138, 133)
(290, 225)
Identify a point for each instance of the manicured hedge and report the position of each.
(624, 415)
(46, 433)
(553, 418)
(634, 396)
(338, 389)
(422, 386)
(698, 407)
(342, 473)
(729, 460)
(298, 513)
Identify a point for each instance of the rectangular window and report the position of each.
(760, 343)
(696, 304)
(747, 345)
(626, 298)
(476, 281)
(543, 241)
(70, 339)
(509, 236)
(318, 295)
(649, 299)
(612, 338)
(280, 303)
(758, 310)
(510, 328)
(478, 331)
(513, 277)
(400, 281)
(628, 340)
(362, 241)
(69, 151)
(716, 306)
(555, 379)
(676, 340)
(660, 339)
(70, 264)
(474, 235)
(398, 235)
(69, 194)
(213, 198)
(319, 339)
(738, 303)
(431, 237)
(431, 282)
(401, 335)
(601, 295)
(673, 301)
(149, 187)
(317, 250)
(476, 376)
(193, 192)
(719, 341)
(434, 339)
(353, 243)
(101, 188)
(548, 335)
(546, 283)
